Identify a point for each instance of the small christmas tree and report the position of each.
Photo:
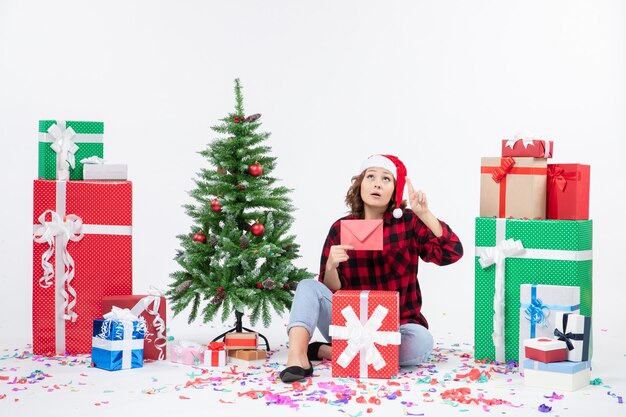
(239, 254)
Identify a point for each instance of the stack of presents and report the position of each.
(82, 261)
(239, 345)
(533, 265)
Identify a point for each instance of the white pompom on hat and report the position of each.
(394, 165)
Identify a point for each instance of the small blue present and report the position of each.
(117, 341)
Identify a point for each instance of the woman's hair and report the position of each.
(355, 202)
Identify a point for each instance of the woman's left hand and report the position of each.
(417, 199)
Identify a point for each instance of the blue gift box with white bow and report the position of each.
(117, 344)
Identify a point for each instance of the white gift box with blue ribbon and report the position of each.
(118, 340)
(538, 307)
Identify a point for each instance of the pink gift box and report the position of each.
(186, 352)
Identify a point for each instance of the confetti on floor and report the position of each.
(450, 379)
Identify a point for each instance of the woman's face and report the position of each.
(377, 188)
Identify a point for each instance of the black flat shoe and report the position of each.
(314, 349)
(295, 373)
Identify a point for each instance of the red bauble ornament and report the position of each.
(255, 169)
(257, 229)
(220, 289)
(215, 205)
(241, 187)
(199, 237)
(236, 119)
(259, 286)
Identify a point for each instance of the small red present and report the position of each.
(568, 192)
(365, 332)
(527, 146)
(152, 309)
(545, 350)
(215, 355)
(82, 252)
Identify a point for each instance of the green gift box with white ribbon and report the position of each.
(511, 252)
(63, 144)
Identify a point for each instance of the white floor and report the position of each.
(70, 387)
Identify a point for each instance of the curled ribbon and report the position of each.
(154, 300)
(497, 255)
(63, 231)
(524, 137)
(65, 148)
(363, 337)
(537, 313)
(506, 164)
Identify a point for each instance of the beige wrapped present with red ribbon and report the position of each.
(513, 187)
(241, 340)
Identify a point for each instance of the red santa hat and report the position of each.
(398, 170)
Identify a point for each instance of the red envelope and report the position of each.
(362, 234)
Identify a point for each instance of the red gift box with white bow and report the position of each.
(365, 332)
(82, 252)
(527, 146)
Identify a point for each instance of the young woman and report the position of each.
(408, 234)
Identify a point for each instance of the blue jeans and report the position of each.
(311, 308)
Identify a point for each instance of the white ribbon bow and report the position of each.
(526, 138)
(94, 160)
(63, 231)
(64, 147)
(120, 314)
(497, 255)
(363, 337)
(153, 299)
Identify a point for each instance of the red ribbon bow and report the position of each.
(506, 164)
(556, 176)
(216, 346)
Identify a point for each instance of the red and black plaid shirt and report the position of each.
(405, 240)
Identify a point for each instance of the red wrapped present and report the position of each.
(241, 340)
(568, 192)
(513, 187)
(215, 355)
(365, 332)
(545, 350)
(527, 146)
(151, 308)
(82, 252)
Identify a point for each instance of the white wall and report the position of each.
(437, 83)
